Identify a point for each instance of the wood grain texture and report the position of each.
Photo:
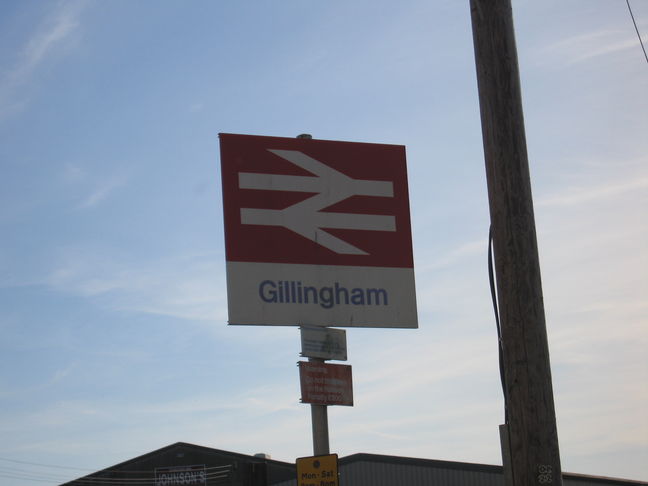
(535, 457)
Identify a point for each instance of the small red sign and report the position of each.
(325, 384)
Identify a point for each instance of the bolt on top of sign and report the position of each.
(317, 232)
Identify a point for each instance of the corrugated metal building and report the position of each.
(380, 470)
(183, 464)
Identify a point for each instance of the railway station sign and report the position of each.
(317, 232)
(317, 470)
(325, 383)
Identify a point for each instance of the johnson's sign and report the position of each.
(317, 233)
(181, 476)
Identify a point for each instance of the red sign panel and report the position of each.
(289, 200)
(325, 383)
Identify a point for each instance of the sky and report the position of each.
(112, 268)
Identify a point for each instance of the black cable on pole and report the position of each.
(637, 30)
(491, 279)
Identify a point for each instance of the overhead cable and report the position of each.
(637, 30)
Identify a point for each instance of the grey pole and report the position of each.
(531, 420)
(319, 413)
(319, 418)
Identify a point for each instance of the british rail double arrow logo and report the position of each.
(307, 217)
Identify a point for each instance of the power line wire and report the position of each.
(8, 476)
(48, 474)
(634, 22)
(138, 481)
(45, 465)
(113, 471)
(99, 480)
(104, 477)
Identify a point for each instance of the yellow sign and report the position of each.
(317, 471)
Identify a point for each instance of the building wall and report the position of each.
(377, 470)
(384, 474)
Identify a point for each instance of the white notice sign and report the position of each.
(323, 343)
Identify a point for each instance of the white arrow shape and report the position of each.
(306, 217)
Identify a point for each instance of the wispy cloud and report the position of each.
(196, 107)
(73, 173)
(57, 376)
(581, 195)
(91, 187)
(584, 47)
(457, 253)
(58, 27)
(45, 41)
(101, 192)
(185, 287)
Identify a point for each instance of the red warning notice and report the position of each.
(325, 384)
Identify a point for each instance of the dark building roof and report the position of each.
(187, 465)
(183, 464)
(373, 469)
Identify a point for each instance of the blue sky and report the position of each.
(112, 285)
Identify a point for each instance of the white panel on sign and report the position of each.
(270, 294)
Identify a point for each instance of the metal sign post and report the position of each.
(319, 420)
(323, 384)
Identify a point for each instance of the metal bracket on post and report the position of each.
(505, 443)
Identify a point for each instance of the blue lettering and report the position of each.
(293, 292)
(268, 291)
(357, 297)
(326, 297)
(378, 293)
(341, 291)
(313, 292)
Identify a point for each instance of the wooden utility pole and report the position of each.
(531, 419)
